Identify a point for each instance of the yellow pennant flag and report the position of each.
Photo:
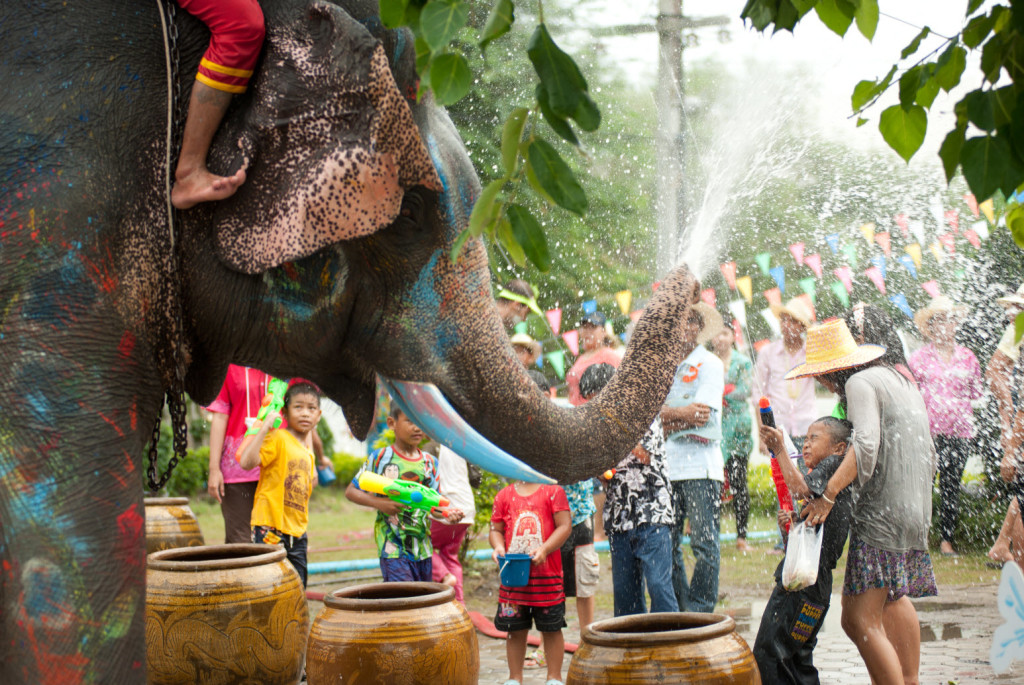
(744, 285)
(868, 230)
(988, 209)
(937, 252)
(625, 299)
(914, 250)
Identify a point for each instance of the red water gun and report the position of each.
(781, 489)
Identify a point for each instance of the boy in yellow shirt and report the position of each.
(280, 510)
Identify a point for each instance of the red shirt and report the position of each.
(529, 521)
(239, 397)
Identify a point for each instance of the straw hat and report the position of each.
(938, 305)
(798, 309)
(712, 321)
(831, 347)
(525, 340)
(1014, 300)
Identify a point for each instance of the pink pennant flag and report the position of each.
(972, 204)
(654, 286)
(774, 297)
(884, 241)
(708, 295)
(555, 319)
(948, 241)
(952, 218)
(903, 223)
(797, 250)
(875, 274)
(572, 339)
(932, 288)
(729, 272)
(760, 343)
(737, 332)
(814, 262)
(634, 316)
(845, 274)
(972, 237)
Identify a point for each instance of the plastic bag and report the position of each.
(803, 550)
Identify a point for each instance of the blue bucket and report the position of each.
(325, 474)
(514, 570)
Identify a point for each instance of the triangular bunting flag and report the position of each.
(589, 306)
(739, 311)
(554, 317)
(708, 295)
(729, 272)
(833, 242)
(908, 262)
(972, 238)
(635, 315)
(972, 203)
(557, 361)
(932, 288)
(948, 240)
(772, 321)
(917, 230)
(743, 284)
(779, 276)
(655, 286)
(841, 293)
(988, 209)
(936, 251)
(901, 221)
(520, 327)
(981, 228)
(814, 262)
(900, 300)
(879, 261)
(952, 218)
(884, 241)
(845, 275)
(875, 274)
(850, 250)
(773, 296)
(759, 344)
(868, 231)
(625, 300)
(809, 286)
(572, 339)
(764, 261)
(797, 250)
(914, 250)
(737, 333)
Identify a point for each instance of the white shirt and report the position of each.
(700, 378)
(453, 482)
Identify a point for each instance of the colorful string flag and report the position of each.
(908, 262)
(520, 327)
(759, 344)
(809, 286)
(806, 299)
(948, 240)
(655, 286)
(797, 250)
(625, 300)
(764, 260)
(845, 276)
(737, 334)
(879, 261)
(635, 315)
(936, 251)
(739, 311)
(779, 276)
(814, 262)
(914, 250)
(902, 222)
(917, 230)
(932, 288)
(961, 274)
(772, 321)
(557, 361)
(554, 317)
(841, 293)
(868, 231)
(589, 306)
(729, 272)
(850, 250)
(833, 242)
(952, 218)
(884, 241)
(572, 339)
(708, 295)
(875, 274)
(743, 284)
(988, 208)
(773, 296)
(972, 238)
(972, 203)
(981, 228)
(900, 300)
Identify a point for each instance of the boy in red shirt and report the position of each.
(534, 519)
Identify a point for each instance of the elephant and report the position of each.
(332, 262)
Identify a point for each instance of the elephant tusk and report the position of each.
(429, 409)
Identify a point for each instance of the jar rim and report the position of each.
(215, 557)
(389, 596)
(660, 628)
(164, 501)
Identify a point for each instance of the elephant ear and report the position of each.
(330, 142)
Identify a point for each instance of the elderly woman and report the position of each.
(892, 462)
(950, 377)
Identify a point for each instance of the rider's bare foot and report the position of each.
(742, 546)
(198, 185)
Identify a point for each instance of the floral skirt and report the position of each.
(903, 574)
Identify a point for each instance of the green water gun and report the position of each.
(273, 402)
(404, 492)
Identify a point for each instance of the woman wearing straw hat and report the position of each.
(892, 463)
(949, 377)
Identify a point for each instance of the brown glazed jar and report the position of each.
(170, 523)
(393, 634)
(224, 614)
(663, 648)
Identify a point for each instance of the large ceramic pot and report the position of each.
(663, 648)
(224, 614)
(393, 634)
(170, 523)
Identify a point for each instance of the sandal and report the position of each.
(511, 681)
(553, 681)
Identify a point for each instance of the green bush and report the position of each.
(345, 467)
(483, 499)
(981, 516)
(763, 499)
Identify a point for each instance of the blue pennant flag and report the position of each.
(779, 274)
(589, 306)
(908, 262)
(879, 261)
(900, 300)
(833, 242)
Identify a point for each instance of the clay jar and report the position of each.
(224, 614)
(170, 523)
(663, 648)
(393, 634)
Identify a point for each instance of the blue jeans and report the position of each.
(701, 502)
(637, 555)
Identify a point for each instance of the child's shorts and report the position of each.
(513, 617)
(581, 568)
(406, 570)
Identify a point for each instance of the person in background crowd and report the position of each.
(792, 400)
(446, 538)
(870, 324)
(736, 426)
(594, 349)
(949, 377)
(516, 302)
(527, 349)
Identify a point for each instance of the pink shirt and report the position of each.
(948, 389)
(792, 401)
(603, 355)
(239, 397)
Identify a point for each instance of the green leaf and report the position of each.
(499, 22)
(440, 20)
(867, 18)
(977, 30)
(1018, 322)
(459, 242)
(950, 66)
(530, 235)
(531, 177)
(392, 13)
(1015, 222)
(831, 14)
(485, 209)
(979, 110)
(927, 92)
(973, 6)
(587, 115)
(449, 78)
(786, 17)
(861, 122)
(507, 238)
(989, 165)
(865, 91)
(422, 58)
(1004, 104)
(511, 134)
(904, 129)
(759, 12)
(909, 83)
(555, 176)
(557, 71)
(804, 6)
(913, 45)
(1016, 130)
(558, 124)
(949, 152)
(993, 58)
